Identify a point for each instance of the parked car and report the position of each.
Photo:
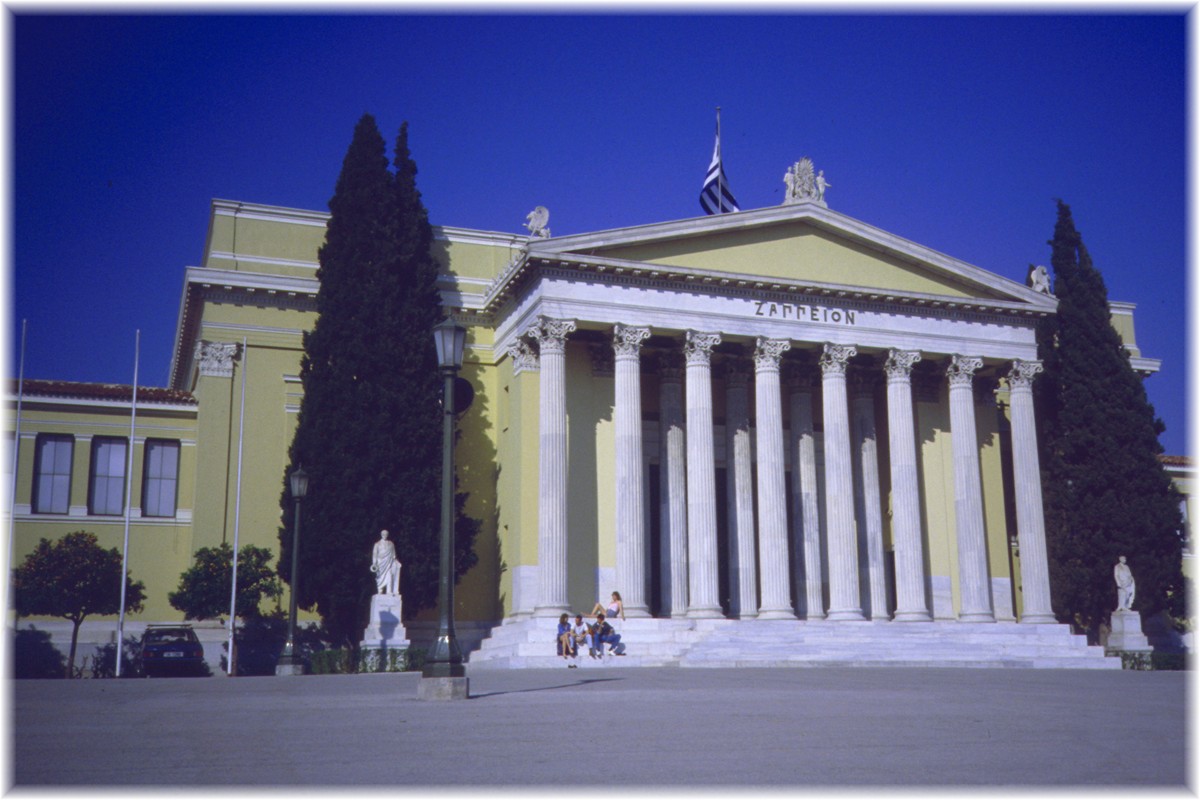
(171, 650)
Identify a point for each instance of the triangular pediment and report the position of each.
(805, 244)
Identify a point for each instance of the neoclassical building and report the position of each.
(777, 414)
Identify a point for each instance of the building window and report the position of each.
(160, 478)
(52, 473)
(106, 487)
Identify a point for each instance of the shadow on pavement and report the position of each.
(544, 688)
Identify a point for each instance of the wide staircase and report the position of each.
(529, 643)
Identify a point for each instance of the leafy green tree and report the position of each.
(369, 429)
(73, 578)
(1105, 491)
(204, 588)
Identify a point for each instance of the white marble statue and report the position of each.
(1126, 587)
(802, 185)
(1038, 279)
(821, 185)
(385, 566)
(536, 221)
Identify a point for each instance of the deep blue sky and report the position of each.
(957, 132)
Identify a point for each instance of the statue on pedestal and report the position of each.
(1126, 587)
(385, 566)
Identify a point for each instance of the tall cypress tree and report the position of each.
(369, 428)
(1106, 493)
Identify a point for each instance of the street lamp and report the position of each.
(444, 663)
(289, 663)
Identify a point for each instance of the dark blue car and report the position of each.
(171, 650)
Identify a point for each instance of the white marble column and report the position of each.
(973, 579)
(1027, 479)
(772, 500)
(869, 502)
(906, 510)
(631, 505)
(703, 588)
(842, 546)
(806, 510)
(551, 335)
(739, 485)
(672, 472)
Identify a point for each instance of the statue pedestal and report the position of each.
(385, 629)
(1127, 633)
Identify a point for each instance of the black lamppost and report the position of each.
(289, 663)
(445, 658)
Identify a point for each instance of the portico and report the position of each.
(774, 446)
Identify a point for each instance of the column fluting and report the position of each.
(703, 589)
(631, 506)
(806, 515)
(973, 579)
(867, 495)
(1027, 479)
(844, 603)
(673, 483)
(551, 335)
(772, 500)
(739, 494)
(906, 511)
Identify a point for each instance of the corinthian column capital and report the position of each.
(627, 341)
(1022, 374)
(551, 334)
(835, 357)
(216, 358)
(697, 348)
(899, 364)
(961, 371)
(767, 352)
(523, 356)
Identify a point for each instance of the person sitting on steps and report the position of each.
(565, 638)
(615, 607)
(603, 633)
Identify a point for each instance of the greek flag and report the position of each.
(715, 197)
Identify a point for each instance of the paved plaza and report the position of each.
(717, 728)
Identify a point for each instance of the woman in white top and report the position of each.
(615, 608)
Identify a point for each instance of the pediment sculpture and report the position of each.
(803, 186)
(537, 223)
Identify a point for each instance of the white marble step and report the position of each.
(766, 643)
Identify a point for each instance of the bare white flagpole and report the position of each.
(231, 663)
(12, 505)
(137, 346)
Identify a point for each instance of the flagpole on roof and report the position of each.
(230, 660)
(137, 346)
(721, 169)
(12, 505)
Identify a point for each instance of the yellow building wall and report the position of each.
(159, 548)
